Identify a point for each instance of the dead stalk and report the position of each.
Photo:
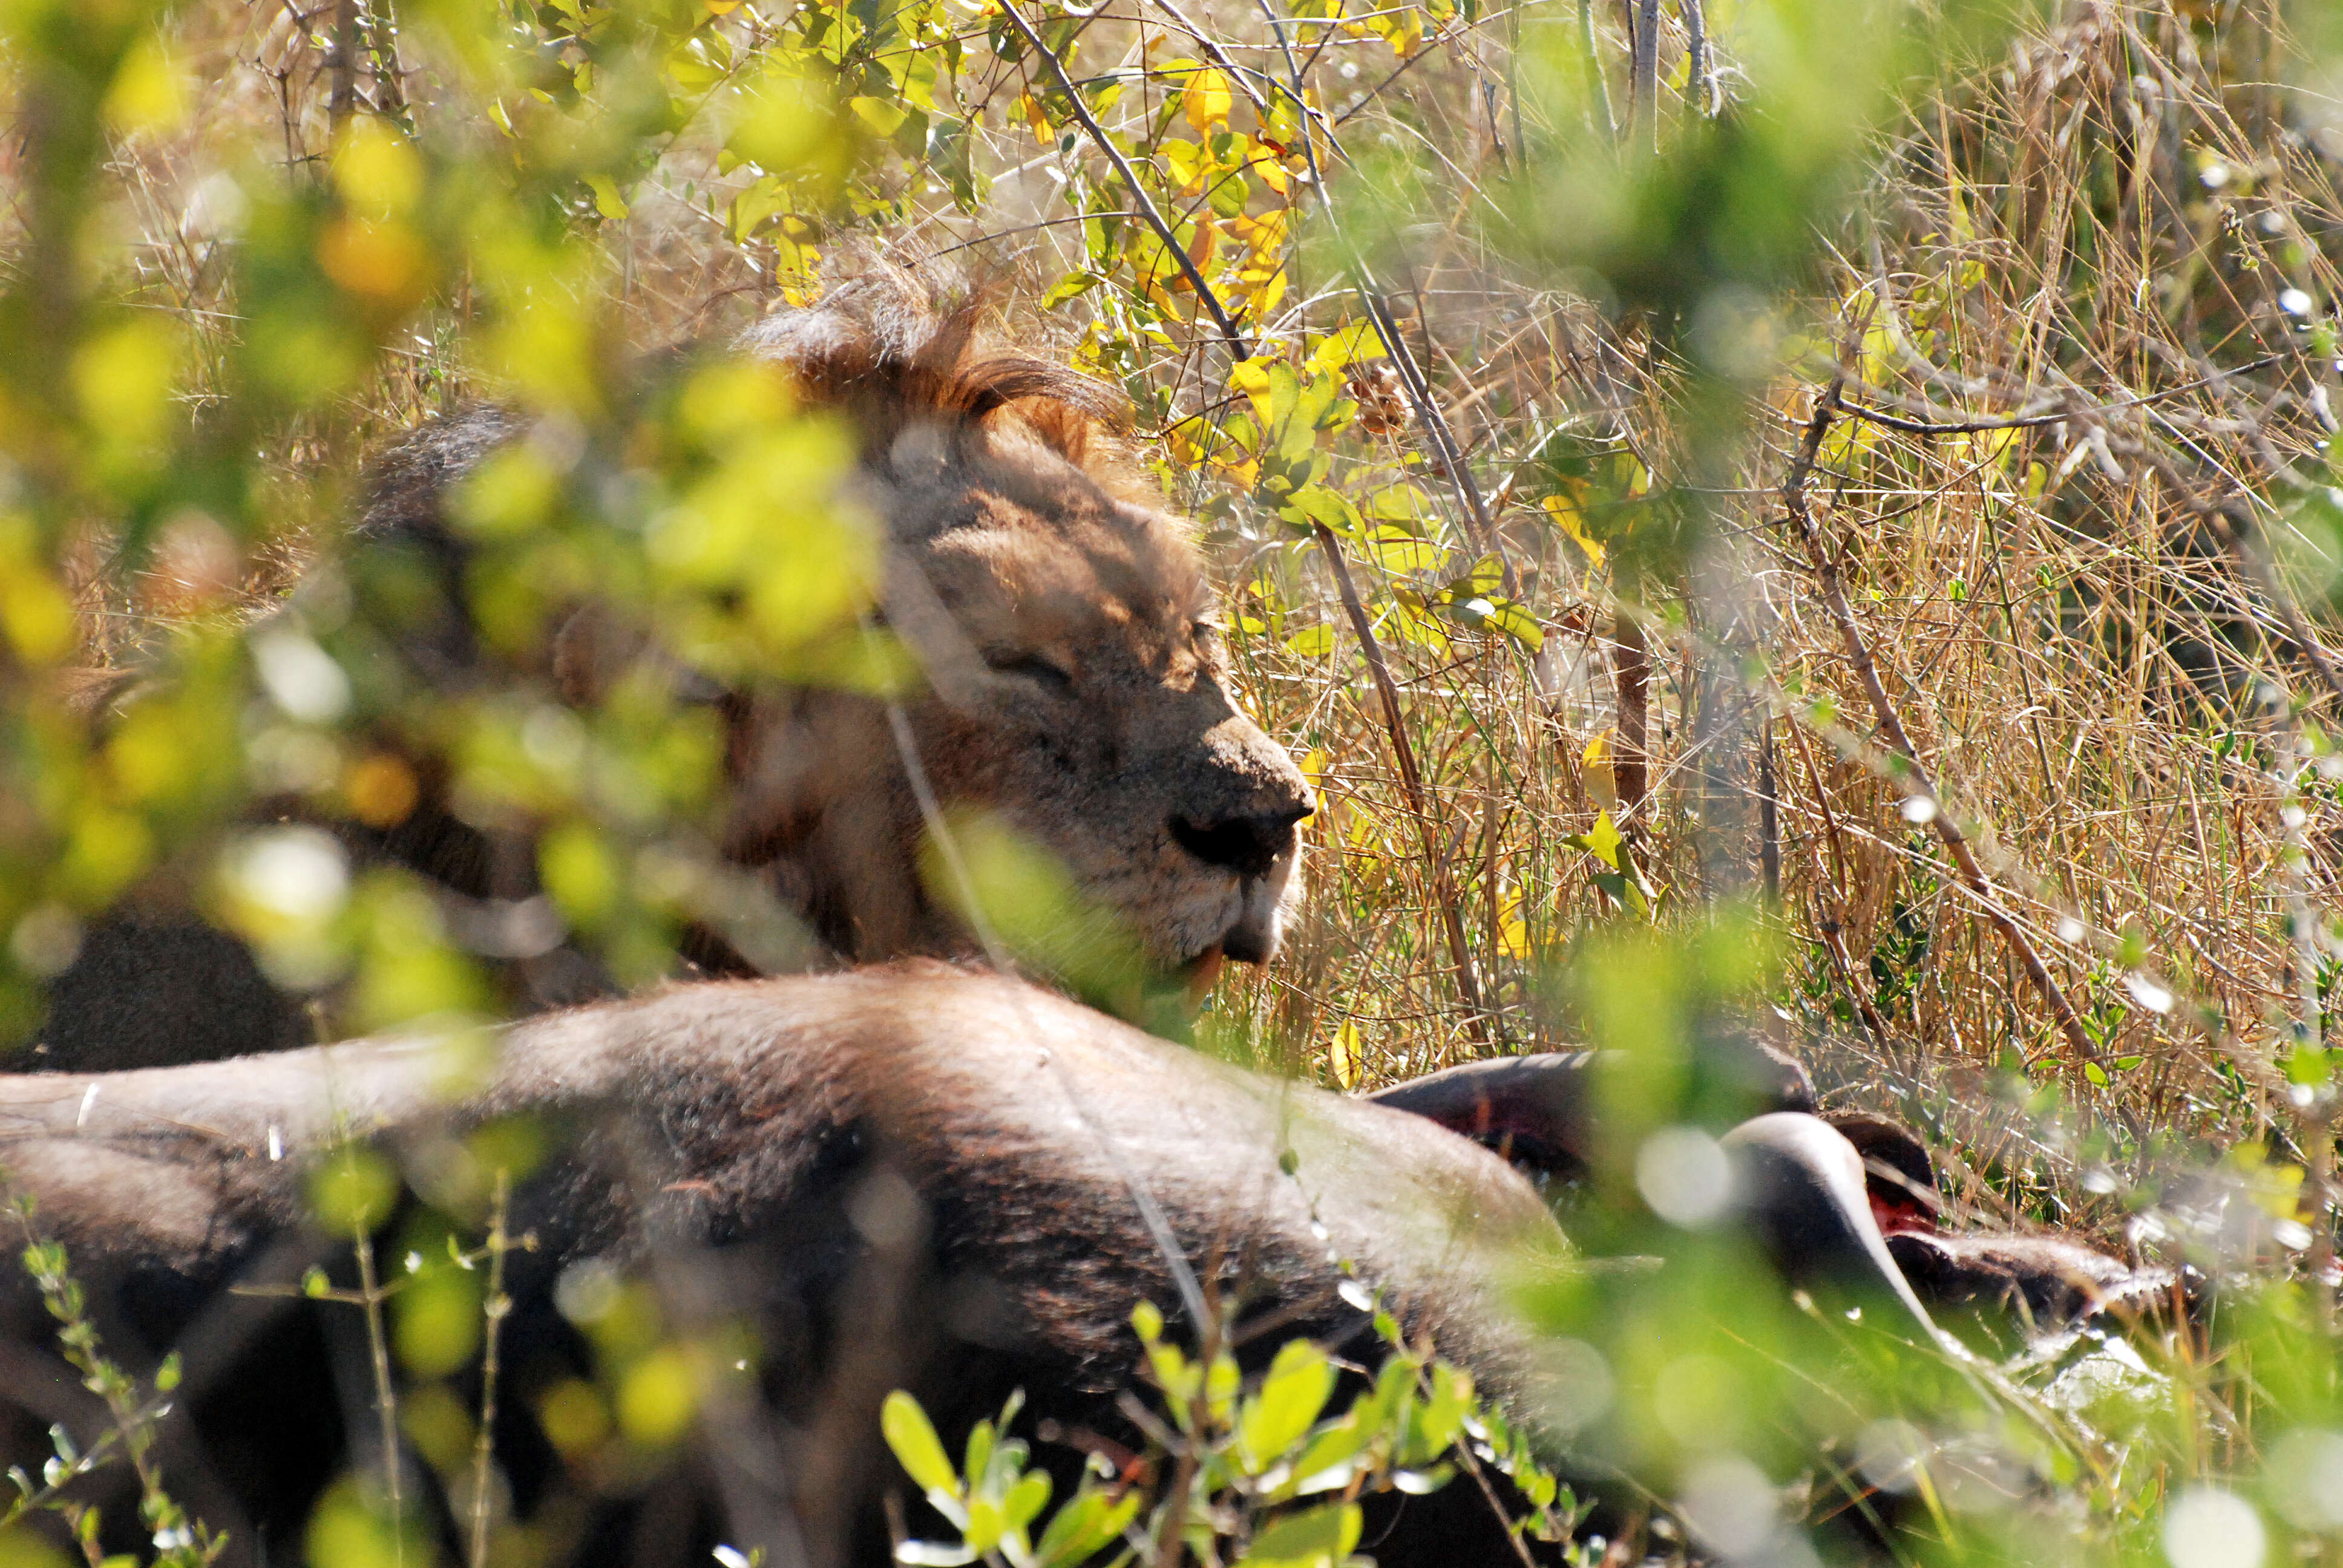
(1631, 767)
(344, 101)
(1915, 777)
(1410, 781)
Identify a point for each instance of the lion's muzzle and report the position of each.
(1258, 847)
(1250, 846)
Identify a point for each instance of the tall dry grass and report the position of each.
(2094, 218)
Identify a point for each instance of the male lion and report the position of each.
(1074, 691)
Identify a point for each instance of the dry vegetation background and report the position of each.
(2114, 230)
(1990, 422)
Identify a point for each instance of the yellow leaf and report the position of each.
(1512, 928)
(1251, 378)
(1570, 519)
(1313, 769)
(1206, 101)
(1313, 641)
(1266, 294)
(1596, 761)
(1343, 1055)
(606, 199)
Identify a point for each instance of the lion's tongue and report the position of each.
(1203, 971)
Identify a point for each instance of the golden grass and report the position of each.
(2111, 207)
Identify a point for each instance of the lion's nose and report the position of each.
(1248, 845)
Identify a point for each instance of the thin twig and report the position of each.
(1412, 381)
(1171, 1544)
(1153, 215)
(386, 1392)
(342, 100)
(1700, 75)
(1411, 779)
(1891, 725)
(1631, 674)
(1831, 923)
(2036, 421)
(493, 1311)
(1643, 87)
(1219, 56)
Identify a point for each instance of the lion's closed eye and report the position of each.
(1043, 672)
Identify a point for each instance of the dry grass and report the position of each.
(2083, 665)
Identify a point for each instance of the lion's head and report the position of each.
(1076, 684)
(1074, 692)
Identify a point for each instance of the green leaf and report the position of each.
(753, 205)
(1444, 1414)
(1228, 194)
(606, 199)
(1085, 1527)
(1329, 1460)
(978, 1459)
(1399, 552)
(1026, 1500)
(916, 1448)
(1486, 578)
(1601, 840)
(1073, 285)
(1319, 1537)
(1317, 504)
(1400, 503)
(1298, 1384)
(884, 117)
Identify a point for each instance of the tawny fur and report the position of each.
(1077, 689)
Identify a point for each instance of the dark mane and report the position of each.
(892, 347)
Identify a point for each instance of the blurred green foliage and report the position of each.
(462, 234)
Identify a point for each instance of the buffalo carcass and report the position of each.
(912, 1177)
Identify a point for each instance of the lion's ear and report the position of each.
(920, 453)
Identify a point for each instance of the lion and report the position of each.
(1076, 689)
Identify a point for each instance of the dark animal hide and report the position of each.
(1850, 1196)
(909, 1177)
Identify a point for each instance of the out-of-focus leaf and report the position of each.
(913, 1440)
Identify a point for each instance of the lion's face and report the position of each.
(1076, 692)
